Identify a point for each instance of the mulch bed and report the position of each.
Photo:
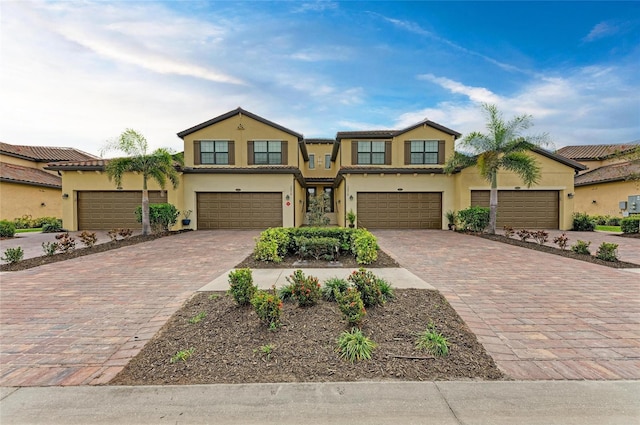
(566, 253)
(227, 345)
(347, 262)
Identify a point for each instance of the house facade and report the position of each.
(244, 171)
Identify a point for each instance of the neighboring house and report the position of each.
(26, 187)
(243, 171)
(608, 179)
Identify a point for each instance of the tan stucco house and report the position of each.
(607, 179)
(26, 186)
(244, 171)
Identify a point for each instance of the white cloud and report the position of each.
(601, 30)
(476, 94)
(316, 6)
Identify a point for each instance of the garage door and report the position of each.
(223, 210)
(381, 210)
(111, 209)
(531, 209)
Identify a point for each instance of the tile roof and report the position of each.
(94, 164)
(319, 141)
(384, 134)
(560, 158)
(595, 152)
(18, 174)
(609, 173)
(45, 153)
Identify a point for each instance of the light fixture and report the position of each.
(351, 197)
(287, 197)
(400, 189)
(42, 204)
(65, 196)
(570, 195)
(238, 189)
(594, 202)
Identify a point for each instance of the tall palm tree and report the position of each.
(157, 165)
(502, 147)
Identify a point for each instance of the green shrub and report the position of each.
(342, 234)
(331, 285)
(24, 222)
(161, 216)
(49, 248)
(52, 225)
(474, 219)
(364, 246)
(613, 221)
(607, 251)
(317, 210)
(600, 220)
(7, 229)
(285, 293)
(355, 345)
(320, 247)
(583, 223)
(630, 224)
(13, 255)
(368, 284)
(268, 307)
(433, 342)
(241, 285)
(581, 247)
(386, 289)
(272, 245)
(351, 305)
(305, 289)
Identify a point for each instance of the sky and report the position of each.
(78, 73)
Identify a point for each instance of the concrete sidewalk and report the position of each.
(469, 403)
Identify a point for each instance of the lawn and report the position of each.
(34, 230)
(609, 228)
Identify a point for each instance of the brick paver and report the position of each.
(540, 316)
(80, 321)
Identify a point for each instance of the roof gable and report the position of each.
(44, 153)
(389, 134)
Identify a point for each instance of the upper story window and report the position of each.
(267, 152)
(370, 152)
(312, 161)
(214, 152)
(424, 152)
(327, 161)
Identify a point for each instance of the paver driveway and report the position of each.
(80, 321)
(540, 316)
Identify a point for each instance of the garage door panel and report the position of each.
(394, 210)
(246, 210)
(105, 210)
(532, 209)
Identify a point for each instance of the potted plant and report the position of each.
(452, 217)
(351, 218)
(186, 220)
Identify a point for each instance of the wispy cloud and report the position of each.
(475, 94)
(316, 6)
(601, 30)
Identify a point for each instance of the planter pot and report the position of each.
(186, 221)
(352, 226)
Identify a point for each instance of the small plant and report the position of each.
(161, 216)
(364, 246)
(182, 355)
(51, 225)
(241, 286)
(88, 239)
(66, 243)
(583, 223)
(355, 346)
(508, 231)
(452, 219)
(368, 284)
(607, 251)
(331, 285)
(474, 219)
(49, 248)
(581, 247)
(351, 306)
(305, 289)
(523, 234)
(285, 293)
(13, 255)
(125, 233)
(540, 236)
(266, 350)
(186, 214)
(198, 318)
(7, 229)
(268, 307)
(432, 341)
(562, 241)
(351, 218)
(386, 289)
(213, 297)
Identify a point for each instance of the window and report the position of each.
(267, 152)
(371, 153)
(424, 151)
(327, 161)
(214, 152)
(328, 190)
(312, 161)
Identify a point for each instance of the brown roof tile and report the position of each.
(45, 153)
(609, 173)
(18, 174)
(384, 134)
(595, 152)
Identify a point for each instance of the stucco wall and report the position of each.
(22, 199)
(319, 150)
(606, 196)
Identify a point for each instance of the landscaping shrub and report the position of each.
(342, 234)
(88, 239)
(66, 243)
(540, 236)
(600, 220)
(607, 251)
(121, 232)
(583, 223)
(161, 216)
(613, 221)
(305, 289)
(331, 285)
(268, 307)
(524, 234)
(49, 248)
(355, 345)
(41, 221)
(368, 284)
(581, 247)
(386, 289)
(13, 255)
(630, 224)
(433, 342)
(508, 231)
(364, 246)
(561, 241)
(325, 248)
(474, 219)
(241, 285)
(285, 293)
(7, 229)
(351, 305)
(272, 245)
(24, 222)
(318, 206)
(49, 224)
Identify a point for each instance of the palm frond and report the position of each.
(117, 167)
(523, 165)
(459, 161)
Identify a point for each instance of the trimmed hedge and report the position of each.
(7, 229)
(630, 224)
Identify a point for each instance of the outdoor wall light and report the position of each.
(238, 189)
(65, 196)
(594, 202)
(400, 189)
(351, 197)
(42, 204)
(570, 195)
(287, 197)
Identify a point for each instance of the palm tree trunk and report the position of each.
(493, 203)
(146, 223)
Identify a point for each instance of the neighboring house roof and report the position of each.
(320, 141)
(44, 153)
(609, 173)
(93, 165)
(595, 152)
(12, 173)
(560, 158)
(238, 111)
(388, 134)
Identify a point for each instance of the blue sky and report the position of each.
(78, 73)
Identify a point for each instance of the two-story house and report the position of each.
(244, 171)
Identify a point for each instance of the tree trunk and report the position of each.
(146, 224)
(493, 204)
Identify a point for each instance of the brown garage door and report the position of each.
(111, 209)
(223, 210)
(531, 209)
(382, 210)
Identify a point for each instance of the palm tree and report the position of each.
(157, 165)
(503, 147)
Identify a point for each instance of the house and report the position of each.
(244, 171)
(26, 186)
(608, 178)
